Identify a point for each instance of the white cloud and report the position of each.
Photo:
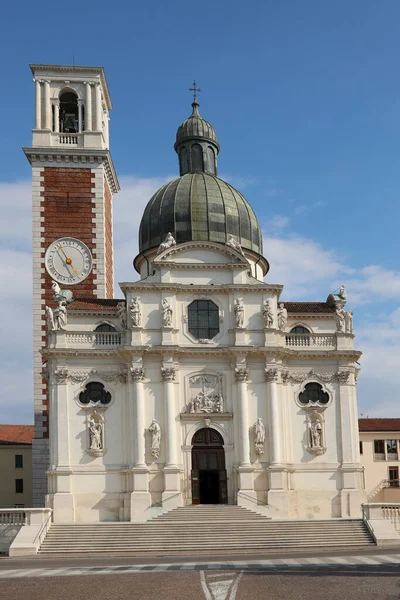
(304, 266)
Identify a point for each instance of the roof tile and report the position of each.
(309, 307)
(379, 424)
(16, 434)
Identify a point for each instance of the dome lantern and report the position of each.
(196, 143)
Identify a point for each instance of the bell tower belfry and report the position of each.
(73, 182)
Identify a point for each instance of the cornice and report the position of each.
(200, 289)
(64, 69)
(125, 352)
(87, 156)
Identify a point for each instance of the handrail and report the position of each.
(161, 503)
(256, 501)
(41, 529)
(385, 483)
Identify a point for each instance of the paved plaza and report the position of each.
(359, 576)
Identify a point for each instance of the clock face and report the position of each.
(68, 260)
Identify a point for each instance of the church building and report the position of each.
(199, 385)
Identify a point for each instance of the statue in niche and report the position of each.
(155, 431)
(134, 311)
(282, 317)
(349, 321)
(167, 243)
(340, 319)
(166, 313)
(209, 398)
(60, 316)
(121, 314)
(315, 434)
(235, 245)
(259, 436)
(96, 427)
(239, 312)
(268, 313)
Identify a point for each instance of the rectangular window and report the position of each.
(361, 447)
(19, 486)
(394, 476)
(391, 449)
(19, 461)
(379, 446)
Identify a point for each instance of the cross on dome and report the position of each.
(194, 89)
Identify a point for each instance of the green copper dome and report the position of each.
(197, 207)
(195, 127)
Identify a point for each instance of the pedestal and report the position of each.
(167, 336)
(171, 496)
(140, 497)
(135, 336)
(63, 507)
(240, 336)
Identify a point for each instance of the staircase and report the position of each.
(204, 529)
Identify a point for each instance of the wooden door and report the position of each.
(195, 486)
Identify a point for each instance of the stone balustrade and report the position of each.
(311, 340)
(68, 139)
(93, 339)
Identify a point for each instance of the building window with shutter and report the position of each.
(19, 461)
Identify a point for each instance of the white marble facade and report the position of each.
(124, 450)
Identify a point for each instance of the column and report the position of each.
(168, 375)
(80, 120)
(271, 377)
(63, 499)
(140, 497)
(171, 496)
(351, 494)
(56, 105)
(38, 105)
(88, 112)
(137, 374)
(98, 108)
(47, 105)
(242, 376)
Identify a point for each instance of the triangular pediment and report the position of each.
(202, 253)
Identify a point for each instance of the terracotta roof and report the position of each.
(379, 424)
(16, 434)
(95, 304)
(308, 307)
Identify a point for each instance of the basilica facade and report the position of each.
(199, 385)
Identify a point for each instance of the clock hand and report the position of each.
(68, 261)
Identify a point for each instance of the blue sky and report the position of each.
(305, 98)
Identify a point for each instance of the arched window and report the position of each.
(105, 327)
(196, 153)
(183, 161)
(69, 113)
(313, 395)
(211, 161)
(299, 329)
(94, 393)
(203, 319)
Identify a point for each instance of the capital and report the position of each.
(137, 373)
(168, 373)
(241, 373)
(271, 375)
(60, 374)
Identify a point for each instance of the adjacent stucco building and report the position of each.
(16, 466)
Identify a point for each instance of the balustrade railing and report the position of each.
(94, 339)
(13, 517)
(68, 139)
(311, 340)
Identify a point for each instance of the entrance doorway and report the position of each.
(208, 468)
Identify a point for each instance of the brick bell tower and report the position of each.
(73, 182)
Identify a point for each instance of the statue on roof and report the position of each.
(235, 245)
(167, 243)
